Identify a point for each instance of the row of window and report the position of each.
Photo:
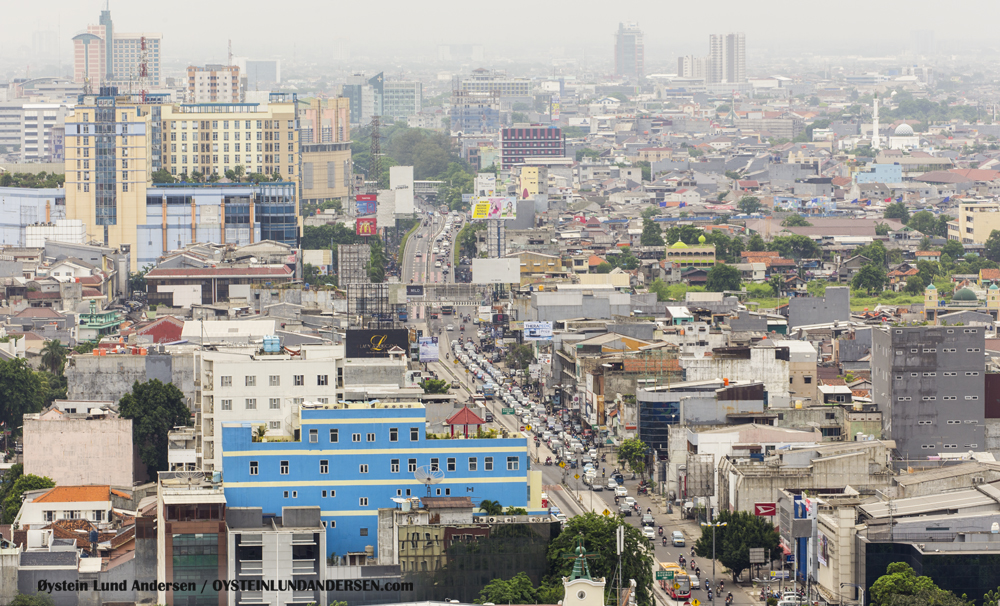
(900, 352)
(274, 380)
(225, 124)
(933, 374)
(951, 422)
(356, 437)
(225, 147)
(513, 464)
(951, 330)
(272, 404)
(933, 446)
(932, 398)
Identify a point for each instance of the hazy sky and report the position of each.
(197, 31)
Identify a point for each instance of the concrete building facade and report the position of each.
(929, 382)
(76, 450)
(629, 52)
(974, 223)
(213, 84)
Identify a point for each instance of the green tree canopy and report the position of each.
(633, 451)
(650, 211)
(900, 586)
(796, 220)
(749, 205)
(54, 356)
(32, 599)
(777, 284)
(598, 533)
(723, 277)
(434, 386)
(882, 229)
(742, 531)
(795, 247)
(21, 391)
(871, 278)
(12, 502)
(874, 252)
(954, 249)
(756, 243)
(915, 285)
(652, 235)
(518, 590)
(162, 176)
(520, 356)
(897, 210)
(155, 408)
(924, 221)
(687, 234)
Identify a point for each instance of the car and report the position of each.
(649, 532)
(598, 487)
(648, 520)
(620, 491)
(695, 582)
(561, 517)
(677, 538)
(630, 501)
(612, 484)
(625, 510)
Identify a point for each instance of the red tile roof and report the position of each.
(91, 292)
(989, 274)
(464, 417)
(37, 294)
(70, 494)
(163, 330)
(38, 312)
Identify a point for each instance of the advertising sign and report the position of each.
(494, 208)
(375, 343)
(545, 359)
(366, 204)
(823, 554)
(366, 226)
(496, 271)
(537, 331)
(765, 509)
(428, 349)
(486, 185)
(414, 290)
(555, 108)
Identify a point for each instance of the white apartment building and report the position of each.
(263, 388)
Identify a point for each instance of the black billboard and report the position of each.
(415, 290)
(376, 343)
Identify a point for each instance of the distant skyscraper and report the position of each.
(727, 59)
(629, 52)
(117, 60)
(690, 66)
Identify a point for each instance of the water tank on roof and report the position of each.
(272, 344)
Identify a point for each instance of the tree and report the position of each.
(518, 590)
(954, 249)
(749, 205)
(897, 210)
(723, 277)
(795, 247)
(796, 220)
(925, 243)
(649, 212)
(924, 221)
(756, 243)
(491, 508)
(155, 408)
(871, 278)
(54, 356)
(816, 288)
(915, 285)
(162, 176)
(742, 531)
(598, 534)
(520, 356)
(874, 252)
(21, 391)
(652, 235)
(32, 599)
(992, 250)
(777, 284)
(376, 261)
(603, 268)
(900, 586)
(882, 229)
(433, 386)
(633, 451)
(12, 502)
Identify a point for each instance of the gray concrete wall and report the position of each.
(110, 377)
(8, 575)
(833, 307)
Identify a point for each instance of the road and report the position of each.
(421, 265)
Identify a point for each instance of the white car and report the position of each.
(630, 501)
(451, 327)
(612, 485)
(620, 491)
(649, 533)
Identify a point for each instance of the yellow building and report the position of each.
(534, 180)
(325, 142)
(108, 167)
(539, 263)
(974, 223)
(696, 255)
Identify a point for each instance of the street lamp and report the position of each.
(861, 590)
(714, 526)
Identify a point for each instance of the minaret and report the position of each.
(876, 144)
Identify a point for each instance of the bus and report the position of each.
(679, 588)
(447, 310)
(434, 313)
(489, 390)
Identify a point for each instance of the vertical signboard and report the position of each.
(366, 226)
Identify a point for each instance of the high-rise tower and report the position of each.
(727, 58)
(629, 52)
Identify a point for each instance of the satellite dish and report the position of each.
(427, 477)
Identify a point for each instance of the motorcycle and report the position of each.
(660, 532)
(548, 461)
(709, 595)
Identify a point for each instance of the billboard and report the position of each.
(537, 331)
(486, 185)
(386, 211)
(496, 271)
(375, 343)
(366, 204)
(494, 208)
(428, 349)
(401, 182)
(414, 290)
(555, 107)
(366, 226)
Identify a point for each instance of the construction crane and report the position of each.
(143, 69)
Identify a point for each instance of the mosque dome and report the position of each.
(679, 244)
(904, 130)
(701, 239)
(965, 295)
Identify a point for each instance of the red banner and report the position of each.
(366, 226)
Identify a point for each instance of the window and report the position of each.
(355, 437)
(274, 403)
(227, 382)
(274, 424)
(949, 398)
(251, 381)
(284, 468)
(363, 468)
(971, 397)
(972, 349)
(807, 380)
(899, 377)
(414, 436)
(295, 494)
(324, 496)
(512, 463)
(324, 466)
(251, 403)
(363, 502)
(932, 350)
(930, 374)
(451, 464)
(253, 468)
(472, 463)
(435, 465)
(488, 464)
(274, 381)
(972, 374)
(830, 415)
(314, 436)
(371, 437)
(393, 434)
(285, 494)
(411, 465)
(322, 379)
(334, 435)
(299, 380)
(394, 466)
(333, 493)
(227, 404)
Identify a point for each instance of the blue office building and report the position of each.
(353, 459)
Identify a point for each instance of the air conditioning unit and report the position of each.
(508, 520)
(491, 520)
(534, 519)
(978, 480)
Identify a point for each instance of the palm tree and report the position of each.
(53, 356)
(491, 508)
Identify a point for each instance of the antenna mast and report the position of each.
(375, 162)
(143, 70)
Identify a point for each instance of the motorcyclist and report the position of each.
(710, 594)
(664, 541)
(729, 598)
(660, 532)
